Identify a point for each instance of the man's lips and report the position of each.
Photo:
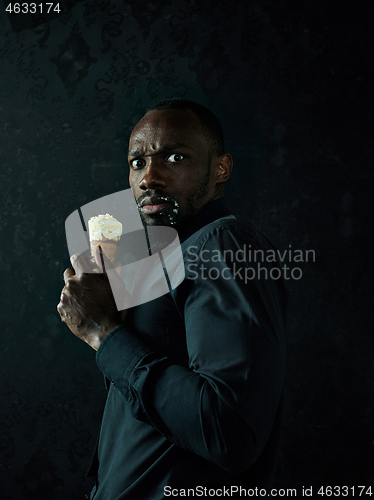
(155, 204)
(155, 209)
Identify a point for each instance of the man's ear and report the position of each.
(223, 168)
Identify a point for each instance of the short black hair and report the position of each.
(208, 120)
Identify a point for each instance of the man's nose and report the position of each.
(153, 176)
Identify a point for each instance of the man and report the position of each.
(195, 377)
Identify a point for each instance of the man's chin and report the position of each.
(158, 220)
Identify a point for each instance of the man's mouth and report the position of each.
(154, 205)
(155, 209)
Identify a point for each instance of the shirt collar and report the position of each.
(212, 211)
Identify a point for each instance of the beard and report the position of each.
(178, 217)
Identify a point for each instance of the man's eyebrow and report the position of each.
(163, 149)
(137, 152)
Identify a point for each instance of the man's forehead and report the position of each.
(166, 128)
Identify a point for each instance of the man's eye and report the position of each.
(175, 158)
(137, 164)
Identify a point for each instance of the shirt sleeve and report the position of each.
(222, 405)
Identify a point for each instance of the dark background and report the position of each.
(292, 83)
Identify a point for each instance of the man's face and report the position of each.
(170, 172)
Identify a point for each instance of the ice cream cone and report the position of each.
(105, 231)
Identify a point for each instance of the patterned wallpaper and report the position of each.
(292, 84)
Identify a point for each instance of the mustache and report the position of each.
(155, 197)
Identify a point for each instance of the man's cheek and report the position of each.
(132, 181)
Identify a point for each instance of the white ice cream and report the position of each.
(104, 227)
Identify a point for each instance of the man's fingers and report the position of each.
(68, 273)
(80, 264)
(60, 305)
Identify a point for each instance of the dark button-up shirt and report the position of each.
(195, 376)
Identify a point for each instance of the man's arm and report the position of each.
(223, 404)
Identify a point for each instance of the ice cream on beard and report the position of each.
(105, 231)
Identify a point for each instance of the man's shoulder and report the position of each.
(225, 230)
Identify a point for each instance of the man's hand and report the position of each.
(87, 304)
